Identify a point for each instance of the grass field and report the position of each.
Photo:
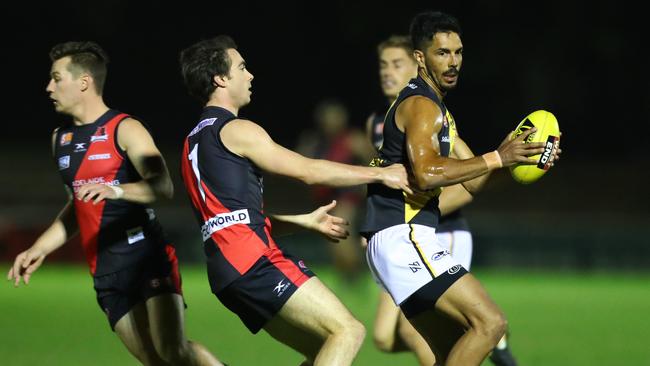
(555, 319)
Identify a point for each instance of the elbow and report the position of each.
(167, 192)
(164, 191)
(422, 182)
(425, 181)
(311, 174)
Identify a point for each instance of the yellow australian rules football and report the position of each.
(548, 131)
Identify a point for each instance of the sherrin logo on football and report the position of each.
(548, 131)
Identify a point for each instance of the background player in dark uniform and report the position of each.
(222, 165)
(113, 170)
(392, 332)
(447, 305)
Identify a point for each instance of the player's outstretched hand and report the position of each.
(517, 150)
(395, 176)
(332, 227)
(25, 264)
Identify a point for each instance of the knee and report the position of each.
(357, 330)
(354, 330)
(493, 325)
(174, 353)
(408, 333)
(383, 342)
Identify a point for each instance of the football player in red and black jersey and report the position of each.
(113, 171)
(222, 163)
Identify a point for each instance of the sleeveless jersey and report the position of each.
(115, 234)
(386, 207)
(447, 223)
(226, 194)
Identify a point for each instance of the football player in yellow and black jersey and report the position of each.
(392, 332)
(446, 304)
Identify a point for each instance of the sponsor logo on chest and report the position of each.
(224, 220)
(100, 135)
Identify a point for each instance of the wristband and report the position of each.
(493, 160)
(119, 192)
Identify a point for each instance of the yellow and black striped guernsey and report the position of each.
(386, 207)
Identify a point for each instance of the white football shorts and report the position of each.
(459, 244)
(405, 257)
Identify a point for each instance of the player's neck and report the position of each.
(432, 84)
(222, 101)
(88, 112)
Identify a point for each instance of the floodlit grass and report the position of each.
(555, 319)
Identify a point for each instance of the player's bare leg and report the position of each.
(384, 332)
(133, 331)
(393, 332)
(410, 337)
(347, 255)
(467, 303)
(319, 326)
(167, 323)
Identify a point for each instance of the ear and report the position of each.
(219, 81)
(85, 81)
(419, 58)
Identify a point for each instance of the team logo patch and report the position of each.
(439, 255)
(99, 157)
(100, 135)
(281, 287)
(66, 139)
(81, 146)
(415, 266)
(64, 162)
(454, 269)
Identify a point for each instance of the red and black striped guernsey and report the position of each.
(115, 234)
(226, 193)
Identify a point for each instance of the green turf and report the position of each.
(555, 319)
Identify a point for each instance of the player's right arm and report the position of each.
(63, 228)
(421, 120)
(251, 141)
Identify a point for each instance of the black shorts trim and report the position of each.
(425, 297)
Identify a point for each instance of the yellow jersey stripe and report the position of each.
(427, 265)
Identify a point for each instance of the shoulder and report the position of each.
(243, 129)
(419, 104)
(132, 133)
(242, 136)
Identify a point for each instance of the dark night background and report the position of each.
(584, 61)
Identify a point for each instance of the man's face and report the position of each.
(396, 68)
(239, 80)
(65, 89)
(443, 59)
